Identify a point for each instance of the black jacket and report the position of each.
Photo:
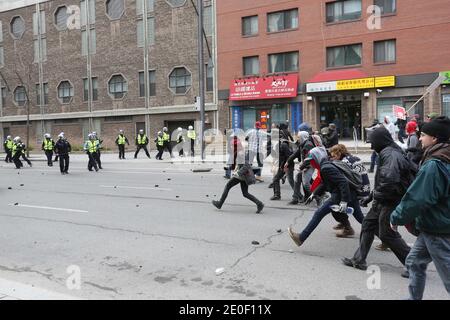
(285, 152)
(332, 138)
(335, 182)
(301, 153)
(62, 147)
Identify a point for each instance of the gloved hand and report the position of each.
(343, 207)
(365, 201)
(309, 199)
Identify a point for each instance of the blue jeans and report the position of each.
(340, 217)
(428, 248)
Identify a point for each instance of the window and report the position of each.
(20, 96)
(17, 27)
(36, 24)
(344, 55)
(65, 91)
(180, 80)
(283, 62)
(61, 18)
(250, 26)
(2, 56)
(83, 13)
(38, 94)
(445, 105)
(152, 83)
(115, 9)
(43, 50)
(94, 89)
(208, 25)
(387, 6)
(282, 20)
(209, 78)
(343, 10)
(384, 51)
(3, 96)
(176, 3)
(251, 66)
(118, 86)
(1, 32)
(150, 32)
(150, 6)
(92, 41)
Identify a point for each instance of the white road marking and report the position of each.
(143, 188)
(47, 208)
(16, 290)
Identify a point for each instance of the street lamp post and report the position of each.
(201, 73)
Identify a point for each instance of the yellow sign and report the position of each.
(363, 83)
(385, 82)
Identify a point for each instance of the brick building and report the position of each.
(327, 61)
(50, 57)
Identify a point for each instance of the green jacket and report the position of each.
(427, 200)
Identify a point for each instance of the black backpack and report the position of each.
(354, 179)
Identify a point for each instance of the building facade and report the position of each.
(47, 59)
(321, 61)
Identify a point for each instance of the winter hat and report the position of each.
(411, 127)
(439, 128)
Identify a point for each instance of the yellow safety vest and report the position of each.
(191, 134)
(160, 141)
(166, 137)
(14, 149)
(91, 146)
(141, 139)
(9, 144)
(121, 139)
(48, 145)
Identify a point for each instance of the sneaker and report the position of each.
(351, 263)
(275, 198)
(259, 179)
(293, 202)
(295, 237)
(345, 232)
(270, 186)
(382, 247)
(216, 204)
(339, 226)
(260, 207)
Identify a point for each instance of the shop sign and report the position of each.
(446, 74)
(321, 86)
(381, 82)
(351, 84)
(270, 87)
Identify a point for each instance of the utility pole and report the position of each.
(201, 74)
(41, 68)
(88, 62)
(146, 75)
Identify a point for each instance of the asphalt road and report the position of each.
(143, 229)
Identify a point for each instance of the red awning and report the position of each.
(334, 75)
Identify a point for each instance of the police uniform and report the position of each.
(8, 145)
(48, 145)
(120, 141)
(141, 143)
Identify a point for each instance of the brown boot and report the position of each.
(346, 232)
(339, 226)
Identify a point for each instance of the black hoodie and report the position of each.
(394, 173)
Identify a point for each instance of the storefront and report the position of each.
(268, 100)
(349, 103)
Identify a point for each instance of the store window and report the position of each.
(446, 105)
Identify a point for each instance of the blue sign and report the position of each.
(236, 117)
(296, 115)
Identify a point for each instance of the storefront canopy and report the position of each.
(334, 75)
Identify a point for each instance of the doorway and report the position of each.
(342, 110)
